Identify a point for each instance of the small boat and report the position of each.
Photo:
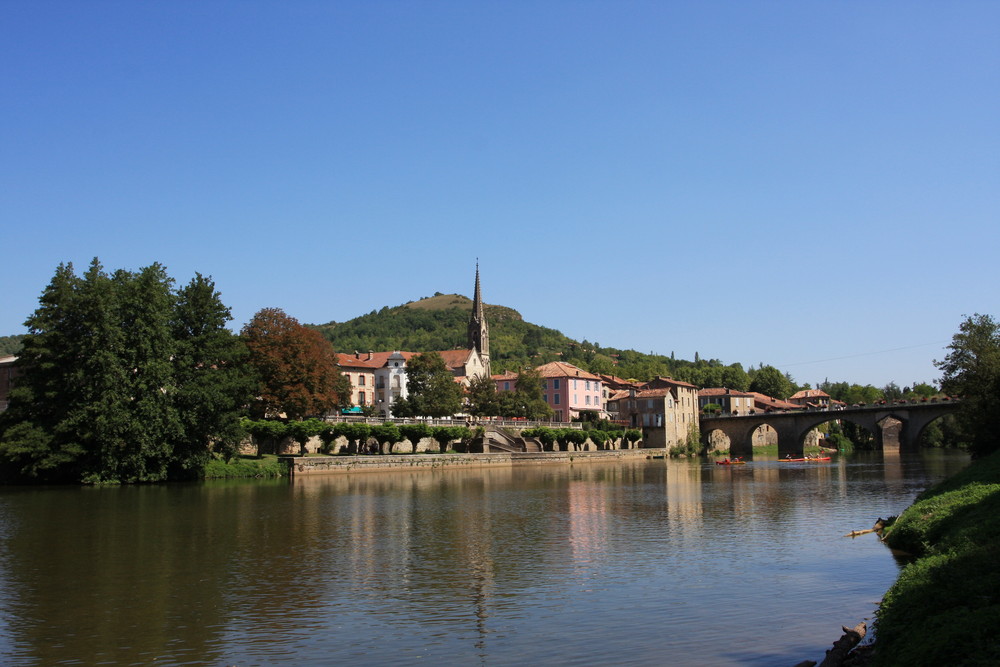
(733, 462)
(808, 458)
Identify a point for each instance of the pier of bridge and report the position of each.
(792, 427)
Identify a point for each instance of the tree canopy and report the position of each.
(107, 371)
(297, 370)
(972, 370)
(431, 389)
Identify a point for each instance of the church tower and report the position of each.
(479, 332)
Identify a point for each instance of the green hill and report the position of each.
(439, 323)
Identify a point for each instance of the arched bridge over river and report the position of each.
(792, 427)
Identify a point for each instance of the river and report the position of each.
(640, 562)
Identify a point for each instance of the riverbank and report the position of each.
(333, 465)
(945, 606)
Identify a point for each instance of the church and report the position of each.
(378, 379)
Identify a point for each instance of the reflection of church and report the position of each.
(379, 378)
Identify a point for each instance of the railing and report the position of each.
(471, 422)
(882, 405)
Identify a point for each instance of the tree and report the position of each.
(100, 397)
(972, 370)
(431, 389)
(212, 381)
(769, 381)
(296, 368)
(483, 397)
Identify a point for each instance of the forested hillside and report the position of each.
(10, 344)
(439, 323)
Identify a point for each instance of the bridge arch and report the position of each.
(907, 419)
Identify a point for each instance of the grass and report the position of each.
(945, 606)
(245, 467)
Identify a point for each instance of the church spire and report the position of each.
(479, 332)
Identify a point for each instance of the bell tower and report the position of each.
(479, 331)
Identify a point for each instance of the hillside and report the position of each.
(439, 323)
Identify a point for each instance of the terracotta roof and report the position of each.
(766, 401)
(670, 382)
(722, 391)
(619, 395)
(357, 360)
(558, 369)
(455, 358)
(508, 375)
(810, 393)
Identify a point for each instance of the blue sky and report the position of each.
(810, 185)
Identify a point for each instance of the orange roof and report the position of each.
(455, 358)
(507, 375)
(810, 393)
(722, 391)
(559, 369)
(766, 401)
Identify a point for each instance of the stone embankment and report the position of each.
(332, 465)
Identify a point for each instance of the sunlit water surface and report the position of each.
(643, 562)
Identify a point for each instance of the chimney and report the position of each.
(370, 355)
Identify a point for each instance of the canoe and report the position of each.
(730, 463)
(815, 458)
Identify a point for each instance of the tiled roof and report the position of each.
(810, 393)
(558, 369)
(455, 358)
(508, 375)
(670, 382)
(722, 391)
(766, 401)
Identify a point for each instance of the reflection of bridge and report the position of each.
(792, 427)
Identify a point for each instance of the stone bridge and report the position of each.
(792, 427)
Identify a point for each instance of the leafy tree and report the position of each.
(431, 389)
(972, 370)
(10, 345)
(212, 381)
(296, 368)
(527, 400)
(769, 381)
(483, 399)
(106, 380)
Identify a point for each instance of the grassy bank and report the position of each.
(245, 467)
(945, 606)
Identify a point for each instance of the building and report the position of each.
(8, 371)
(810, 398)
(665, 409)
(360, 370)
(571, 391)
(379, 378)
(730, 401)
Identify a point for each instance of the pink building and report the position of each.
(571, 391)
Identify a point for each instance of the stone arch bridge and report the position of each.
(792, 427)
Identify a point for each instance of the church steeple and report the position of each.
(479, 331)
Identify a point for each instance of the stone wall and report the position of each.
(326, 465)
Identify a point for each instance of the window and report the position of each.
(361, 398)
(555, 383)
(588, 400)
(361, 380)
(555, 399)
(588, 385)
(506, 386)
(545, 386)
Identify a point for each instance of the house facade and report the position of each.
(810, 398)
(731, 401)
(665, 409)
(571, 391)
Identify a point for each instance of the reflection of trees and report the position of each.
(122, 574)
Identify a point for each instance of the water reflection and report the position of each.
(636, 561)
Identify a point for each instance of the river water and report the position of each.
(641, 562)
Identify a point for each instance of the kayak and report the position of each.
(730, 463)
(815, 458)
